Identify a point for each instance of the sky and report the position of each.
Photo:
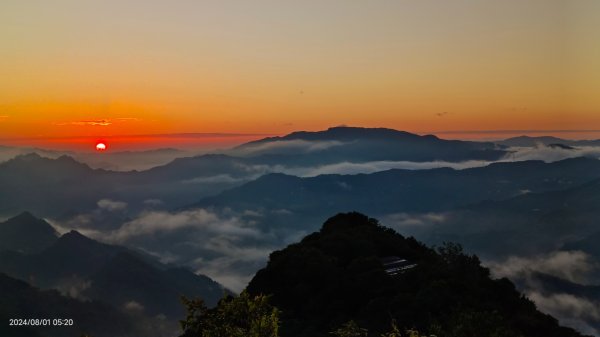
(74, 71)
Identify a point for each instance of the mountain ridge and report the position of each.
(75, 260)
(26, 233)
(407, 190)
(356, 144)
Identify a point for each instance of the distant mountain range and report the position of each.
(488, 209)
(111, 160)
(528, 187)
(405, 190)
(363, 145)
(527, 141)
(531, 223)
(32, 182)
(63, 187)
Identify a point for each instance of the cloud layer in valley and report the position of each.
(578, 268)
(571, 310)
(574, 266)
(551, 153)
(286, 147)
(154, 223)
(374, 166)
(226, 247)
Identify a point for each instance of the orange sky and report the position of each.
(100, 69)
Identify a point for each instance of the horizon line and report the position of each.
(200, 135)
(151, 135)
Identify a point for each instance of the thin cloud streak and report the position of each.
(97, 122)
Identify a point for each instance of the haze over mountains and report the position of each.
(116, 161)
(526, 141)
(340, 150)
(523, 199)
(186, 179)
(126, 281)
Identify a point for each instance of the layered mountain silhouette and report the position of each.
(500, 210)
(534, 222)
(336, 275)
(51, 186)
(63, 187)
(22, 301)
(31, 181)
(87, 269)
(112, 160)
(405, 190)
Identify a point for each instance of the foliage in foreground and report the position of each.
(241, 316)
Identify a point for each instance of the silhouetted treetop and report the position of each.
(337, 275)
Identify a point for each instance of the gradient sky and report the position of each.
(118, 67)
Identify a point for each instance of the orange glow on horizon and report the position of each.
(75, 72)
(208, 142)
(201, 142)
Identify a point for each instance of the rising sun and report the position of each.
(101, 147)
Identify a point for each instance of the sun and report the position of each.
(101, 146)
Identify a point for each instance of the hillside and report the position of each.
(336, 275)
(19, 300)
